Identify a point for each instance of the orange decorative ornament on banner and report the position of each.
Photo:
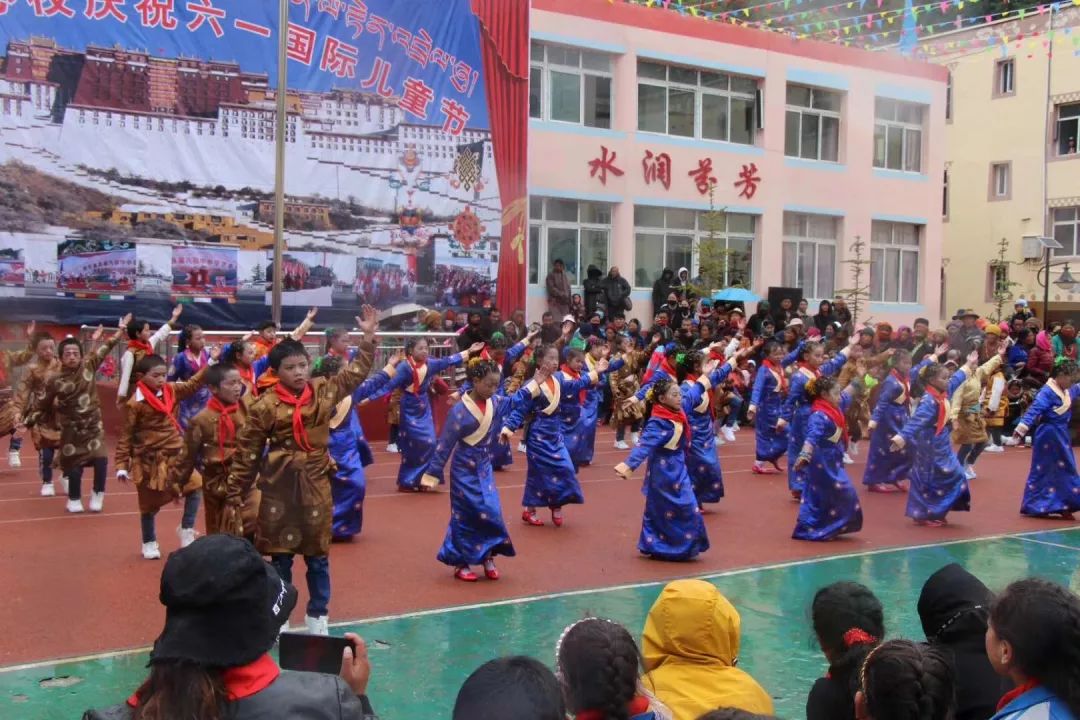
(466, 228)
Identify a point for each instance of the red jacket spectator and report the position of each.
(1041, 358)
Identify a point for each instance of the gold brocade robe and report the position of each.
(30, 391)
(969, 425)
(625, 382)
(73, 396)
(9, 411)
(149, 448)
(296, 510)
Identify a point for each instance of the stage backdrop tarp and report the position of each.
(139, 137)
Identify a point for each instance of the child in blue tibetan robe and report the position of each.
(672, 527)
(416, 436)
(191, 357)
(582, 453)
(1053, 487)
(551, 480)
(886, 471)
(698, 378)
(829, 505)
(796, 408)
(938, 481)
(571, 411)
(476, 532)
(348, 447)
(766, 403)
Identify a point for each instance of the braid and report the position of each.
(614, 706)
(598, 663)
(849, 622)
(902, 680)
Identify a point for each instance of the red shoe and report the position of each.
(556, 517)
(490, 571)
(796, 496)
(464, 573)
(1067, 516)
(759, 470)
(931, 523)
(529, 518)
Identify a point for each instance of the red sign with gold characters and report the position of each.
(659, 168)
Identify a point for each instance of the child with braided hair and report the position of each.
(829, 506)
(1053, 486)
(596, 351)
(1033, 638)
(192, 355)
(938, 481)
(902, 680)
(477, 532)
(672, 527)
(598, 665)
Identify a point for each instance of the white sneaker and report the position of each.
(969, 472)
(1027, 442)
(854, 449)
(1011, 442)
(74, 506)
(521, 447)
(97, 501)
(392, 447)
(47, 490)
(317, 626)
(633, 438)
(620, 445)
(720, 440)
(728, 433)
(187, 536)
(848, 460)
(14, 460)
(151, 551)
(993, 448)
(63, 482)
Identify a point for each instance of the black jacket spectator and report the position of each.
(824, 316)
(662, 288)
(616, 292)
(594, 289)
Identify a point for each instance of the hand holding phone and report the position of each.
(355, 665)
(313, 653)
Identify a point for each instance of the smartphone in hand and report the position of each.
(311, 653)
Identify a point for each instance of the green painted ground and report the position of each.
(421, 660)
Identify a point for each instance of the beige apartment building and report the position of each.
(1012, 168)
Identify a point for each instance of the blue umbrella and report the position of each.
(735, 295)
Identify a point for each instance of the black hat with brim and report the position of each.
(224, 604)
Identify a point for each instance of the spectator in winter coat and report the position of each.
(824, 316)
(662, 288)
(1040, 358)
(616, 293)
(594, 289)
(558, 289)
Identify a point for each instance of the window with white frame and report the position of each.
(997, 280)
(809, 254)
(693, 103)
(898, 133)
(578, 233)
(570, 85)
(671, 238)
(812, 129)
(1068, 125)
(1005, 77)
(1000, 181)
(894, 262)
(1067, 231)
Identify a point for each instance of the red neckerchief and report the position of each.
(638, 706)
(942, 416)
(247, 375)
(1016, 692)
(481, 405)
(226, 428)
(165, 404)
(241, 682)
(575, 376)
(137, 344)
(904, 382)
(715, 354)
(415, 375)
(299, 432)
(833, 413)
(778, 370)
(664, 413)
(262, 342)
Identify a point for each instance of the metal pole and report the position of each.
(1046, 292)
(1046, 149)
(280, 124)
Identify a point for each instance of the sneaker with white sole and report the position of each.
(1027, 442)
(317, 625)
(392, 447)
(151, 551)
(853, 451)
(969, 472)
(633, 438)
(63, 483)
(1011, 442)
(186, 535)
(74, 506)
(620, 445)
(47, 490)
(728, 433)
(848, 460)
(720, 440)
(991, 448)
(521, 447)
(97, 501)
(14, 460)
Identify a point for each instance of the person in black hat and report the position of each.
(224, 606)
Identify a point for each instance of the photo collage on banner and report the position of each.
(139, 139)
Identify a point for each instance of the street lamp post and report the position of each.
(1048, 245)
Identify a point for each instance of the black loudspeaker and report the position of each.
(776, 294)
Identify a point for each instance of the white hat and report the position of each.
(795, 322)
(569, 318)
(1020, 303)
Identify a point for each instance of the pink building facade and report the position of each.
(635, 111)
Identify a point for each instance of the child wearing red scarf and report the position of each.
(148, 450)
(829, 505)
(672, 527)
(284, 445)
(140, 344)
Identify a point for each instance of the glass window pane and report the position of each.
(807, 268)
(652, 108)
(651, 70)
(597, 101)
(740, 258)
(596, 61)
(536, 208)
(562, 244)
(1065, 234)
(894, 160)
(534, 254)
(789, 265)
(892, 276)
(798, 95)
(594, 248)
(680, 112)
(740, 223)
(682, 75)
(877, 262)
(794, 225)
(714, 117)
(1064, 214)
(562, 210)
(879, 145)
(913, 150)
(826, 100)
(910, 113)
(884, 109)
(830, 139)
(826, 270)
(680, 219)
(821, 226)
(791, 133)
(809, 136)
(716, 81)
(595, 213)
(536, 91)
(565, 97)
(742, 121)
(680, 252)
(645, 216)
(909, 277)
(744, 85)
(1066, 111)
(536, 52)
(1067, 132)
(558, 55)
(648, 259)
(880, 232)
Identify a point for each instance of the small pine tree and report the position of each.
(1003, 286)
(858, 295)
(714, 257)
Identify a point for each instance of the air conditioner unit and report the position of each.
(1032, 249)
